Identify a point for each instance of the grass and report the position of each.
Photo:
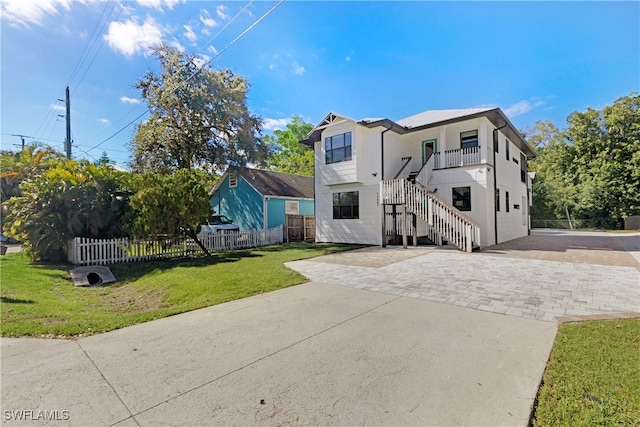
(40, 300)
(593, 376)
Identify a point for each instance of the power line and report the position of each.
(202, 47)
(199, 68)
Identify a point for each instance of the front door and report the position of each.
(428, 148)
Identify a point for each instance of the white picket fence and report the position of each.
(87, 251)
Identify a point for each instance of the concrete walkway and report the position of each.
(326, 353)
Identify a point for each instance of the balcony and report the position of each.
(456, 158)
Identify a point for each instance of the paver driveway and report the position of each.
(547, 275)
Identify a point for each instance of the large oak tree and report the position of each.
(199, 118)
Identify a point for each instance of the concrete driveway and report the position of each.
(328, 352)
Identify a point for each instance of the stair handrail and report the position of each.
(406, 162)
(425, 171)
(455, 226)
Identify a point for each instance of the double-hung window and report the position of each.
(462, 198)
(346, 205)
(337, 148)
(469, 139)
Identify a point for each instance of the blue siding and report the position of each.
(276, 210)
(242, 204)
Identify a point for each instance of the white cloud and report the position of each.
(130, 38)
(128, 100)
(105, 121)
(58, 107)
(275, 124)
(212, 49)
(25, 12)
(189, 34)
(176, 44)
(157, 4)
(297, 68)
(348, 59)
(221, 12)
(206, 19)
(518, 108)
(272, 67)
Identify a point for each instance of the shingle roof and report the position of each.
(279, 184)
(435, 116)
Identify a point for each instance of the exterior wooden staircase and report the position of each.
(443, 219)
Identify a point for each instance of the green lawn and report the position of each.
(593, 376)
(40, 300)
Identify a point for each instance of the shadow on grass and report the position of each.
(135, 270)
(7, 300)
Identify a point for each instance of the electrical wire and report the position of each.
(200, 49)
(198, 70)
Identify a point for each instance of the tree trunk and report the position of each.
(566, 209)
(194, 236)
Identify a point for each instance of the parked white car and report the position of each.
(217, 224)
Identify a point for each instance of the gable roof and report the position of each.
(279, 184)
(275, 184)
(435, 118)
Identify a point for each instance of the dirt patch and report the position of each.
(127, 299)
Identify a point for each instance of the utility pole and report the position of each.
(21, 137)
(67, 141)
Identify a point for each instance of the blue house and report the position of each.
(258, 199)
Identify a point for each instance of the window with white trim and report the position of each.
(233, 180)
(292, 208)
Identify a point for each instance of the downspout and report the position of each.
(384, 230)
(495, 181)
(265, 216)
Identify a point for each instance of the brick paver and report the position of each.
(511, 280)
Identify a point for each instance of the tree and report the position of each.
(173, 205)
(32, 160)
(289, 155)
(70, 199)
(199, 118)
(592, 169)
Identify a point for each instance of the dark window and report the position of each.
(233, 180)
(507, 143)
(469, 139)
(523, 168)
(338, 148)
(497, 200)
(346, 205)
(506, 196)
(462, 198)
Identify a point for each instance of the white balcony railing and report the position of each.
(456, 158)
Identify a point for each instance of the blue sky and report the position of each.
(535, 60)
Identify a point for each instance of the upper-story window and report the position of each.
(506, 148)
(338, 148)
(469, 139)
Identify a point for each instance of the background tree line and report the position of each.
(591, 169)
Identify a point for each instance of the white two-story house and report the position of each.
(457, 176)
